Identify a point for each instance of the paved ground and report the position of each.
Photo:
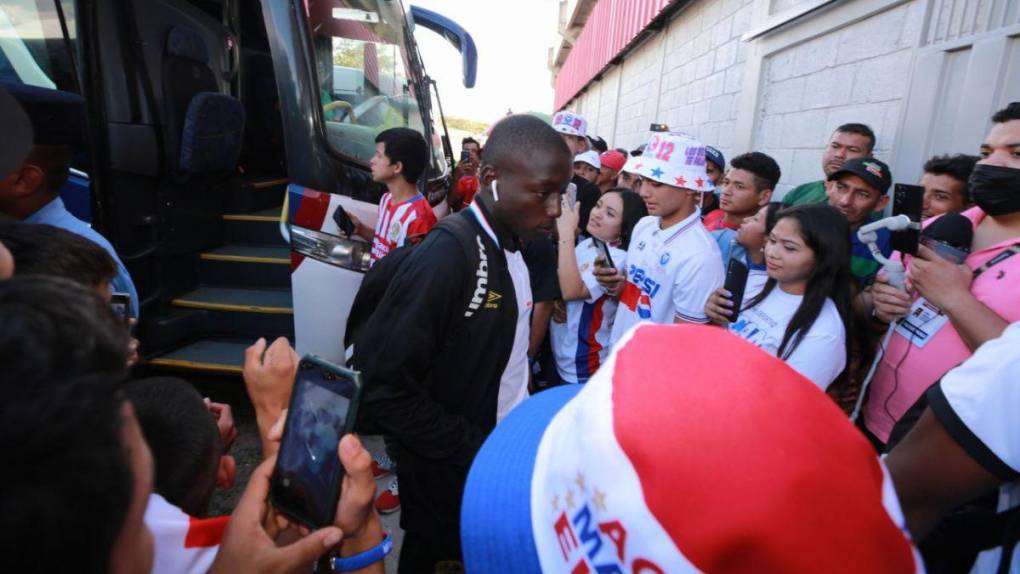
(247, 453)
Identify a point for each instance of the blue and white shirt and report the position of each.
(582, 344)
(56, 214)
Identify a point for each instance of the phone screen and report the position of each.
(603, 251)
(907, 200)
(571, 195)
(306, 481)
(121, 304)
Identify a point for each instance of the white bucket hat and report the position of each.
(675, 159)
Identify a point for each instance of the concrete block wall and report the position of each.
(692, 76)
(859, 73)
(688, 77)
(703, 70)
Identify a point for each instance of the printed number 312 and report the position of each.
(665, 150)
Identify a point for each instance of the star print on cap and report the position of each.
(674, 157)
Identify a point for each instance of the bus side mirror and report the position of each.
(455, 34)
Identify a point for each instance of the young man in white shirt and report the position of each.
(673, 264)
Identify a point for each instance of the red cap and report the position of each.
(613, 159)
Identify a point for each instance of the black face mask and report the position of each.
(995, 189)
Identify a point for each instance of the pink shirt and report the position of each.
(907, 370)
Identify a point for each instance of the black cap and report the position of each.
(715, 156)
(874, 172)
(56, 116)
(15, 135)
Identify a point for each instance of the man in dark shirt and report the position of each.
(444, 354)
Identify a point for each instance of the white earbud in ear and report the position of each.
(495, 194)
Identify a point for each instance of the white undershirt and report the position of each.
(513, 385)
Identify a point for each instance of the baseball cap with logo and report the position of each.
(650, 469)
(715, 156)
(589, 157)
(613, 159)
(675, 159)
(570, 123)
(874, 172)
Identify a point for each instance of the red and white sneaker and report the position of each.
(389, 501)
(382, 466)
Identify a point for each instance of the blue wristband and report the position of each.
(366, 558)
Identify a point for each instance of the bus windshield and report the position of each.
(366, 82)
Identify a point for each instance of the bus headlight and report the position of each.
(337, 251)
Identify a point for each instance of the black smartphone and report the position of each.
(343, 221)
(323, 405)
(603, 252)
(465, 155)
(736, 280)
(121, 304)
(907, 200)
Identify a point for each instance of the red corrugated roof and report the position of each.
(612, 25)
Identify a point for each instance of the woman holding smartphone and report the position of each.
(802, 314)
(581, 344)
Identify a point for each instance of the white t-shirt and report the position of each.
(821, 354)
(977, 403)
(582, 343)
(513, 385)
(756, 279)
(670, 274)
(182, 544)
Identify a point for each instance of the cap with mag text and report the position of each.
(647, 468)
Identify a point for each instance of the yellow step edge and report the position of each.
(197, 366)
(245, 259)
(233, 307)
(270, 183)
(246, 217)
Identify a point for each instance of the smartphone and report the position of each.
(603, 252)
(121, 304)
(323, 405)
(736, 280)
(343, 221)
(658, 128)
(465, 155)
(907, 200)
(945, 251)
(571, 195)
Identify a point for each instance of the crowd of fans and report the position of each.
(744, 436)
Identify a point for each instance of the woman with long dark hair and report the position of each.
(802, 314)
(581, 344)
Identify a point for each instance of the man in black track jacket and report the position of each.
(444, 354)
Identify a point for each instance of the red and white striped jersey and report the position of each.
(183, 544)
(397, 222)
